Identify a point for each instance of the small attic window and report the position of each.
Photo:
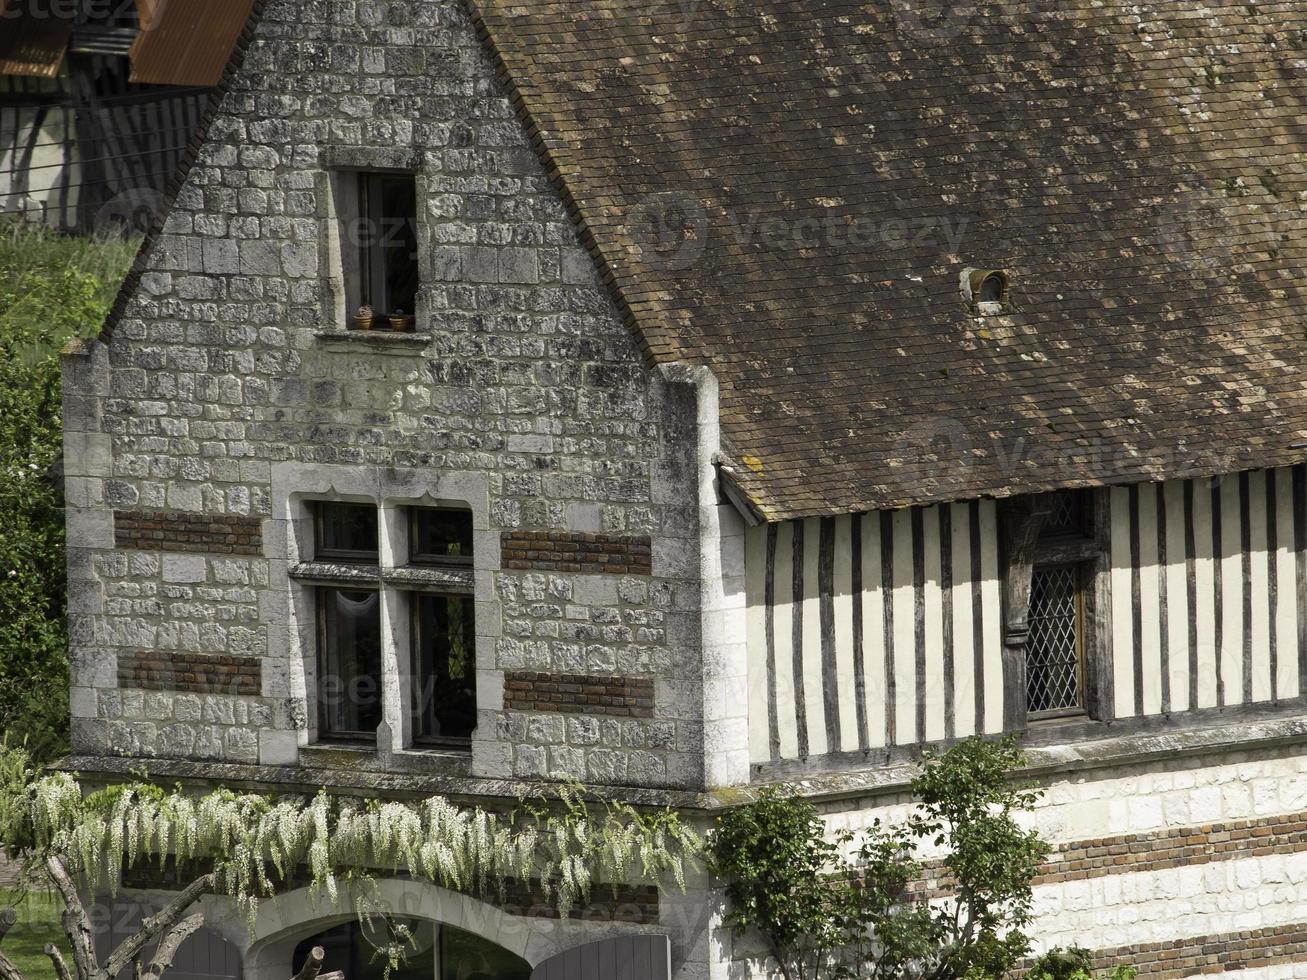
(986, 291)
(378, 214)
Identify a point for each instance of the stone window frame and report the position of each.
(333, 163)
(294, 580)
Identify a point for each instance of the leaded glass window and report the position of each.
(1054, 649)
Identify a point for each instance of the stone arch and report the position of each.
(282, 922)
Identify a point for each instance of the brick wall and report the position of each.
(630, 697)
(570, 551)
(194, 673)
(1179, 847)
(1223, 953)
(228, 534)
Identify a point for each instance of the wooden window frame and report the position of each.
(348, 555)
(320, 616)
(428, 561)
(415, 639)
(1088, 550)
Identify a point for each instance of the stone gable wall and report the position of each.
(225, 365)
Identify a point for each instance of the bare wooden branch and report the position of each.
(8, 971)
(169, 944)
(57, 958)
(77, 926)
(333, 975)
(7, 919)
(131, 947)
(311, 965)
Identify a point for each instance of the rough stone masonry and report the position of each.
(521, 390)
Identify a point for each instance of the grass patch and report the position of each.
(38, 924)
(53, 287)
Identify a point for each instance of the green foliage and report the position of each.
(254, 843)
(828, 916)
(51, 288)
(776, 863)
(1074, 964)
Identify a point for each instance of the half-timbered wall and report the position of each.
(883, 629)
(1206, 609)
(873, 630)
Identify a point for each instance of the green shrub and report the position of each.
(1073, 963)
(51, 288)
(825, 916)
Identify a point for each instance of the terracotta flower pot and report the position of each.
(362, 318)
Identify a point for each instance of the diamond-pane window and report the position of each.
(1069, 514)
(1054, 646)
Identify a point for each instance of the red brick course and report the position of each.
(224, 534)
(191, 672)
(588, 694)
(1155, 851)
(1227, 952)
(572, 551)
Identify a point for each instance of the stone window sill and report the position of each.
(380, 341)
(366, 758)
(445, 579)
(326, 571)
(449, 579)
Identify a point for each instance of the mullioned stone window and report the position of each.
(403, 611)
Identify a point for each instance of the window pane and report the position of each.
(444, 668)
(349, 665)
(1071, 514)
(442, 535)
(388, 242)
(347, 531)
(1053, 649)
(399, 242)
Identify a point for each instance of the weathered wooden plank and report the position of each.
(859, 651)
(905, 629)
(1177, 597)
(977, 614)
(887, 591)
(814, 689)
(1118, 529)
(830, 673)
(796, 637)
(1218, 596)
(919, 617)
(844, 602)
(875, 699)
(1163, 609)
(946, 616)
(1136, 610)
(1300, 562)
(1258, 612)
(1286, 618)
(787, 699)
(1246, 587)
(1191, 590)
(992, 611)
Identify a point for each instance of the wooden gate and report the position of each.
(619, 958)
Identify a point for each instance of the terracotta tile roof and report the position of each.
(789, 191)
